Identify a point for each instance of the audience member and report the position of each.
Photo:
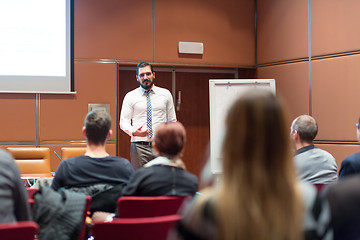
(351, 164)
(258, 196)
(166, 174)
(344, 198)
(13, 195)
(313, 165)
(95, 173)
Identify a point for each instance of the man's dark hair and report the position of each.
(97, 127)
(306, 127)
(143, 64)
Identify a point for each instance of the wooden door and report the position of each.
(194, 113)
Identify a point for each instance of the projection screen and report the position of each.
(36, 46)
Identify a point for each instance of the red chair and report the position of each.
(31, 192)
(138, 207)
(320, 187)
(18, 231)
(86, 213)
(152, 228)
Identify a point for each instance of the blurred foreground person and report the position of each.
(258, 196)
(351, 164)
(13, 196)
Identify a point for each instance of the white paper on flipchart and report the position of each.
(223, 94)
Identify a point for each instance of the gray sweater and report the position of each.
(315, 166)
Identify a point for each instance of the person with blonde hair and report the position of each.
(258, 196)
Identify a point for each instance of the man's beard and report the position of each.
(147, 87)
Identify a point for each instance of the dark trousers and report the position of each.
(141, 154)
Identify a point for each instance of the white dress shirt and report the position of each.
(133, 111)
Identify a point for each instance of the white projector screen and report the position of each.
(36, 53)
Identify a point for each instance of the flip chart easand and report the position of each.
(223, 92)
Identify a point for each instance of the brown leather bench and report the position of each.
(68, 152)
(32, 162)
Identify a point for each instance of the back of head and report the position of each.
(170, 138)
(97, 127)
(257, 138)
(306, 127)
(258, 188)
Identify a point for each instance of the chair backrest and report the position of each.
(31, 161)
(18, 231)
(86, 213)
(31, 192)
(320, 187)
(68, 152)
(137, 207)
(152, 228)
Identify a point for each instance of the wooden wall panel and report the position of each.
(292, 85)
(335, 89)
(340, 151)
(334, 26)
(18, 117)
(111, 149)
(282, 30)
(113, 29)
(62, 116)
(225, 27)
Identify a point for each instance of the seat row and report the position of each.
(138, 218)
(152, 228)
(35, 162)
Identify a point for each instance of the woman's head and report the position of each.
(259, 188)
(170, 138)
(257, 133)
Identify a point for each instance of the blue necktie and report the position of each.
(149, 113)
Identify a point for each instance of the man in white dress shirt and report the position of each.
(143, 109)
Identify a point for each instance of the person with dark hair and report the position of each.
(344, 198)
(143, 109)
(166, 174)
(13, 195)
(351, 164)
(313, 165)
(96, 171)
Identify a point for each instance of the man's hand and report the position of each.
(140, 132)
